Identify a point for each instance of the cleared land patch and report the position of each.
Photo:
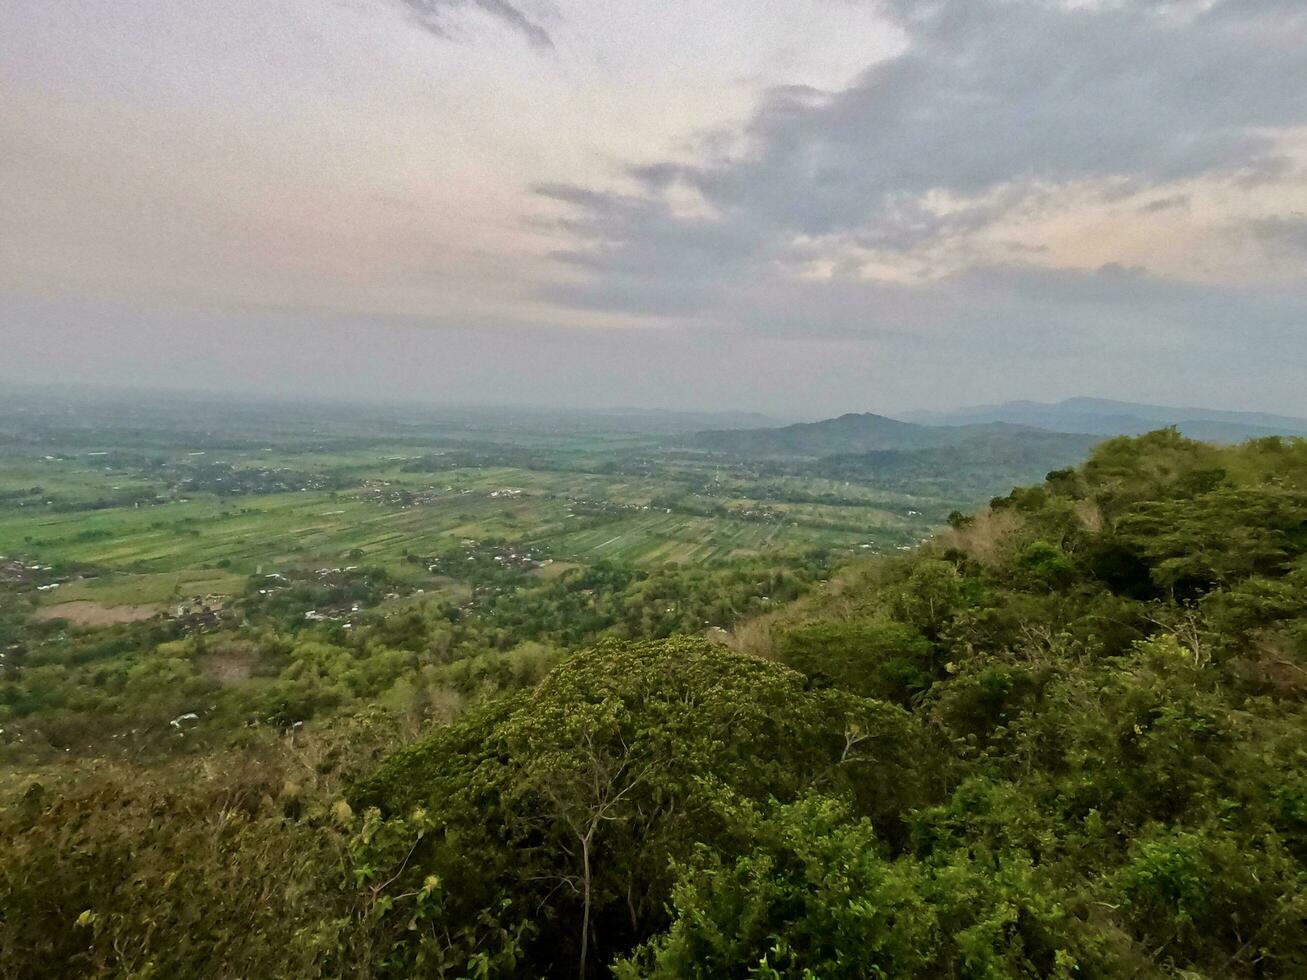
(85, 613)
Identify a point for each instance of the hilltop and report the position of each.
(1063, 738)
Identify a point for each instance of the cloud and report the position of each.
(1282, 233)
(1264, 170)
(434, 16)
(1167, 203)
(979, 336)
(995, 112)
(1022, 314)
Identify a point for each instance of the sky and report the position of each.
(801, 207)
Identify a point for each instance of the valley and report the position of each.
(147, 520)
(344, 680)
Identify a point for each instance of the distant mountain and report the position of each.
(854, 434)
(974, 469)
(74, 413)
(1104, 417)
(665, 420)
(965, 463)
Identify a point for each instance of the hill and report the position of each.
(1062, 739)
(969, 462)
(973, 469)
(1105, 417)
(862, 433)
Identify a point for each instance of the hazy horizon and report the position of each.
(800, 209)
(941, 414)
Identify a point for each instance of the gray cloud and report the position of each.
(434, 16)
(1264, 170)
(998, 104)
(1282, 233)
(1025, 314)
(990, 93)
(809, 349)
(1167, 203)
(296, 200)
(639, 257)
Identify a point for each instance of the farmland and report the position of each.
(138, 515)
(160, 556)
(393, 517)
(260, 621)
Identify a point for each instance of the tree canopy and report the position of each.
(1065, 738)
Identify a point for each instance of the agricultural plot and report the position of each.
(75, 478)
(272, 531)
(154, 589)
(660, 538)
(212, 510)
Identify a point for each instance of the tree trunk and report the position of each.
(585, 898)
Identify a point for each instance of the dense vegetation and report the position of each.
(854, 433)
(1065, 738)
(1105, 417)
(261, 663)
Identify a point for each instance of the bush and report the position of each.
(875, 658)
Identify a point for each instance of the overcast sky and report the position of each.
(797, 207)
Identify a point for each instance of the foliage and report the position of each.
(577, 795)
(1063, 739)
(877, 658)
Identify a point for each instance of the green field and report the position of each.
(148, 518)
(149, 589)
(153, 562)
(186, 541)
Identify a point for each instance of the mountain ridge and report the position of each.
(1107, 417)
(852, 433)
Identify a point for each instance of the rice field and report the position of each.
(149, 589)
(149, 554)
(270, 531)
(660, 538)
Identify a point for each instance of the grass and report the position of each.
(158, 588)
(656, 538)
(75, 479)
(327, 528)
(271, 530)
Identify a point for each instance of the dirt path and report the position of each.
(86, 613)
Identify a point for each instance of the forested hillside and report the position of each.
(865, 433)
(1067, 737)
(957, 460)
(1105, 417)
